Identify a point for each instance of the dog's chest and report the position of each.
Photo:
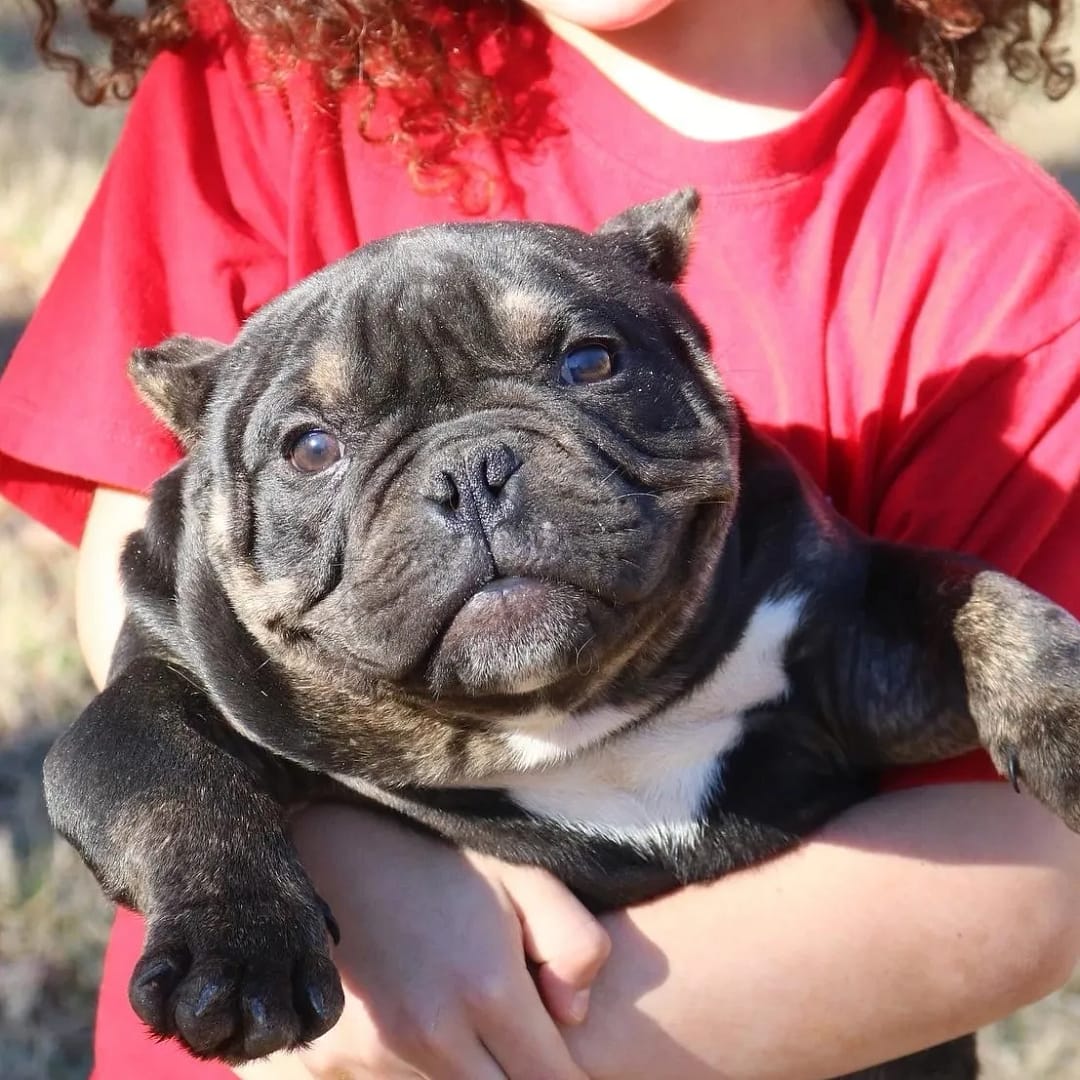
(651, 785)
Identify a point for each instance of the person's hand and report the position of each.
(434, 953)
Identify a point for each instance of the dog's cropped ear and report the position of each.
(175, 379)
(659, 232)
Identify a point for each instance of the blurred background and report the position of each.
(53, 921)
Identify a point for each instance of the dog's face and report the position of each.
(487, 467)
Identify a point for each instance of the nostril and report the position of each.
(499, 465)
(444, 490)
(451, 495)
(477, 480)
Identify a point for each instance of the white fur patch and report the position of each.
(547, 737)
(649, 786)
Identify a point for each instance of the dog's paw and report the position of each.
(1038, 751)
(240, 981)
(1022, 665)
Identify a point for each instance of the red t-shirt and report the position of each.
(891, 291)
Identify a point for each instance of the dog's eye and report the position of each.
(587, 364)
(313, 451)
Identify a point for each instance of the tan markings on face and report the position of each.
(258, 602)
(527, 314)
(328, 374)
(220, 522)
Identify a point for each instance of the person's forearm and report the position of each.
(914, 918)
(99, 598)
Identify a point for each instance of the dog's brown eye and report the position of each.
(314, 451)
(587, 364)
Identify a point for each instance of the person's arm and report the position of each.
(913, 918)
(99, 601)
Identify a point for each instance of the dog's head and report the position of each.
(487, 467)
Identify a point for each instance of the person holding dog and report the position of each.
(889, 291)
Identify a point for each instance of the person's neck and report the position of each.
(718, 70)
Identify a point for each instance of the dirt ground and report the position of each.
(52, 919)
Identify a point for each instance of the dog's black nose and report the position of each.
(476, 483)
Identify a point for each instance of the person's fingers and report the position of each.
(284, 1065)
(439, 1047)
(357, 1071)
(467, 1060)
(415, 1044)
(514, 1025)
(359, 1059)
(565, 942)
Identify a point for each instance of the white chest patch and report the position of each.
(649, 786)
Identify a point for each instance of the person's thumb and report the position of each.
(562, 938)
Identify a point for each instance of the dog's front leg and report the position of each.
(180, 826)
(1021, 662)
(946, 655)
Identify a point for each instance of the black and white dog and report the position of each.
(469, 527)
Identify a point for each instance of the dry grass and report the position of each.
(52, 918)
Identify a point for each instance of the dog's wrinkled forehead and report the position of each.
(428, 313)
(423, 312)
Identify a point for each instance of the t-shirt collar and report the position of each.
(595, 109)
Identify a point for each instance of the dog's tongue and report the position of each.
(515, 635)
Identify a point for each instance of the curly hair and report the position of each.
(425, 56)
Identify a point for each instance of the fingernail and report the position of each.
(579, 1006)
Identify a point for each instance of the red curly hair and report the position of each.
(424, 55)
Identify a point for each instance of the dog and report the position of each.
(468, 527)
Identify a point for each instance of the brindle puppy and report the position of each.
(469, 526)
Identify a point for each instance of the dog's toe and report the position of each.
(156, 976)
(318, 995)
(204, 1006)
(270, 1021)
(235, 992)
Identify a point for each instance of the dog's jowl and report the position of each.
(469, 526)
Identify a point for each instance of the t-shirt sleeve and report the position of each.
(1001, 439)
(185, 234)
(990, 465)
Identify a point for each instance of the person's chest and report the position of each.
(831, 292)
